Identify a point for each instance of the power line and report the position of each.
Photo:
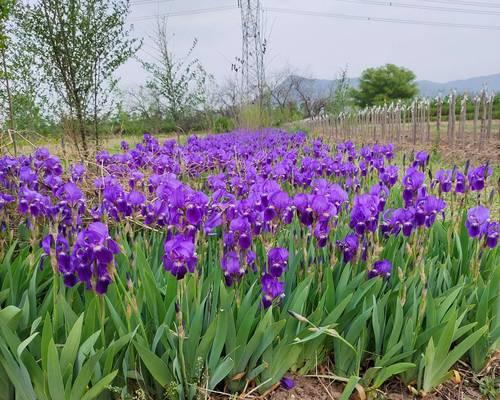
(422, 7)
(145, 2)
(465, 3)
(185, 12)
(379, 19)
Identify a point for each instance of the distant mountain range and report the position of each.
(322, 87)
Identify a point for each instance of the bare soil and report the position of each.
(464, 385)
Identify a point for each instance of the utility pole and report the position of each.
(253, 50)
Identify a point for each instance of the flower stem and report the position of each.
(102, 318)
(181, 334)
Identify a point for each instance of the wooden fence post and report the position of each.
(438, 119)
(414, 121)
(491, 99)
(428, 127)
(483, 120)
(477, 104)
(451, 119)
(463, 115)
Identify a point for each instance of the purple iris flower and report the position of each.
(388, 151)
(349, 246)
(180, 257)
(363, 167)
(323, 209)
(91, 259)
(302, 202)
(277, 261)
(444, 178)
(77, 172)
(379, 164)
(382, 192)
(27, 176)
(460, 185)
(41, 154)
(232, 267)
(241, 229)
(54, 182)
(214, 219)
(402, 219)
(381, 268)
(136, 198)
(33, 203)
(412, 182)
(421, 159)
(271, 289)
(279, 205)
(477, 220)
(364, 214)
(390, 175)
(93, 253)
(477, 177)
(134, 178)
(5, 199)
(321, 233)
(492, 234)
(287, 383)
(426, 210)
(72, 193)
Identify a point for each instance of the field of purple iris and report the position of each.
(223, 264)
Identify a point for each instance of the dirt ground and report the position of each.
(464, 385)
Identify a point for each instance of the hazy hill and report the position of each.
(322, 87)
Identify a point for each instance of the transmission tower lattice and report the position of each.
(253, 49)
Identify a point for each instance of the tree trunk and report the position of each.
(82, 130)
(9, 99)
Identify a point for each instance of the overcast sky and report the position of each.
(321, 46)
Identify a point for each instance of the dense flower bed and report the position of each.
(269, 212)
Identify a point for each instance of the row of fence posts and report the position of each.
(420, 122)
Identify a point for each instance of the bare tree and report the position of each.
(312, 102)
(280, 86)
(227, 98)
(180, 83)
(145, 104)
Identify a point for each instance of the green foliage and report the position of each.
(384, 84)
(179, 82)
(340, 100)
(222, 124)
(253, 116)
(77, 47)
(65, 343)
(173, 339)
(6, 7)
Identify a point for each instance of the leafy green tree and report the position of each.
(78, 45)
(6, 8)
(23, 99)
(384, 84)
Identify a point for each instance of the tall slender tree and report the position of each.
(180, 82)
(6, 8)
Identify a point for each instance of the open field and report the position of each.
(235, 264)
